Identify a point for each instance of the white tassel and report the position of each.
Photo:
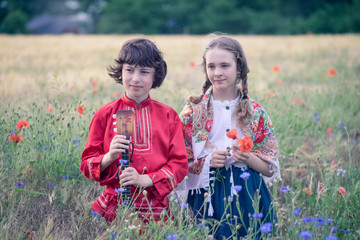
(211, 210)
(232, 190)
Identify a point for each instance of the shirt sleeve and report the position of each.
(174, 171)
(94, 152)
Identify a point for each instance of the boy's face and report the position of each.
(137, 81)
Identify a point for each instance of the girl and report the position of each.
(219, 176)
(158, 150)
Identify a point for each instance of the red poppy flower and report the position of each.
(271, 94)
(279, 82)
(49, 109)
(332, 72)
(321, 189)
(329, 131)
(298, 101)
(341, 191)
(94, 83)
(95, 90)
(307, 191)
(245, 143)
(276, 68)
(192, 64)
(80, 109)
(232, 134)
(16, 138)
(21, 124)
(117, 94)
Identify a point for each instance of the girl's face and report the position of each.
(222, 73)
(137, 81)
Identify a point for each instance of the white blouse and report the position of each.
(223, 122)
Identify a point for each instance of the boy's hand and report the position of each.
(130, 176)
(219, 158)
(118, 145)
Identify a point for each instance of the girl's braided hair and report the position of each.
(243, 109)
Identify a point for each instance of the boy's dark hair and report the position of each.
(142, 52)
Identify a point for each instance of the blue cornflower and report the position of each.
(266, 227)
(172, 236)
(318, 119)
(66, 176)
(123, 161)
(50, 185)
(258, 215)
(305, 235)
(331, 237)
(342, 126)
(20, 184)
(334, 229)
(201, 225)
(77, 145)
(346, 231)
(319, 221)
(49, 133)
(237, 188)
(296, 211)
(306, 219)
(94, 213)
(183, 205)
(112, 236)
(329, 221)
(285, 188)
(315, 114)
(45, 148)
(119, 190)
(245, 175)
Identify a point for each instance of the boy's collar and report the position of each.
(133, 103)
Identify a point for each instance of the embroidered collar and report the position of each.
(133, 103)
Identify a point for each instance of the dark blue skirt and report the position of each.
(251, 204)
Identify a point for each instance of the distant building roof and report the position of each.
(49, 24)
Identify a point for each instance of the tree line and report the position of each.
(192, 16)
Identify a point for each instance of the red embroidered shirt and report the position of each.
(159, 148)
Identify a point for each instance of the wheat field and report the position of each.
(309, 85)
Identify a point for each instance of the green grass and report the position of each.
(55, 199)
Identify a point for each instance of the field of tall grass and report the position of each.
(309, 85)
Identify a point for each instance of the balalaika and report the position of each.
(125, 126)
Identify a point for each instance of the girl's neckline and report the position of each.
(225, 102)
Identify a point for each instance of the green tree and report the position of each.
(15, 22)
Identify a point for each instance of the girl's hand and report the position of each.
(241, 157)
(118, 145)
(218, 158)
(251, 160)
(130, 176)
